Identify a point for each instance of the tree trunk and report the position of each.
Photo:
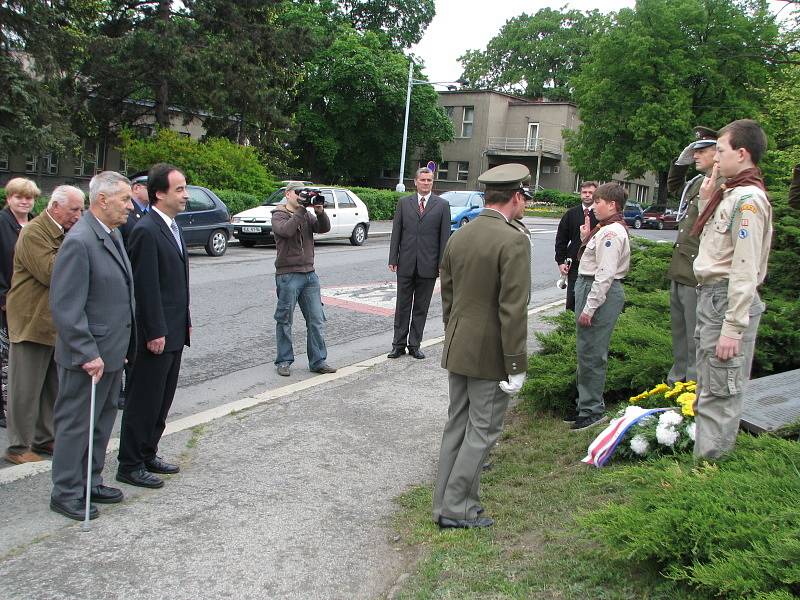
(662, 188)
(162, 94)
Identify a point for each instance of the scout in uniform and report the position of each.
(736, 231)
(599, 298)
(486, 280)
(682, 291)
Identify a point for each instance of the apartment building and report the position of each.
(493, 128)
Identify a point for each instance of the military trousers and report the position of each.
(475, 420)
(683, 318)
(720, 384)
(592, 344)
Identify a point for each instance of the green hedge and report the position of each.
(238, 201)
(380, 203)
(641, 347)
(730, 529)
(557, 198)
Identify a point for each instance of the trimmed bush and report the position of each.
(730, 529)
(380, 203)
(216, 163)
(558, 198)
(238, 201)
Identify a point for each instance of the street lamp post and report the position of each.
(401, 187)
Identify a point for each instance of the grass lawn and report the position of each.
(534, 491)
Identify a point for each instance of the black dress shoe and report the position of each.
(103, 494)
(416, 353)
(74, 509)
(141, 478)
(159, 465)
(446, 523)
(396, 353)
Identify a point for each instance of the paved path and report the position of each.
(291, 498)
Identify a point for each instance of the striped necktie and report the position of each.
(177, 235)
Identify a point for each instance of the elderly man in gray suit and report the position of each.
(92, 303)
(420, 232)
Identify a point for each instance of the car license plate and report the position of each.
(251, 229)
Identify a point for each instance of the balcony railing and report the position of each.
(532, 145)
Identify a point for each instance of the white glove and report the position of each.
(687, 156)
(514, 383)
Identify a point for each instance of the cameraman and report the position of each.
(295, 280)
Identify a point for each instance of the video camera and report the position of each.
(309, 196)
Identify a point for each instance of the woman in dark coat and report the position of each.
(21, 193)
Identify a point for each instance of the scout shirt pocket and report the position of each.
(725, 376)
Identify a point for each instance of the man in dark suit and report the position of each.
(568, 238)
(419, 234)
(93, 307)
(141, 204)
(161, 275)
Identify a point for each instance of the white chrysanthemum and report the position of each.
(666, 435)
(640, 445)
(669, 418)
(691, 430)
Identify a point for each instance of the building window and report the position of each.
(48, 164)
(443, 172)
(463, 171)
(92, 159)
(467, 121)
(3, 162)
(641, 193)
(30, 164)
(533, 137)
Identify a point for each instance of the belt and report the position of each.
(719, 285)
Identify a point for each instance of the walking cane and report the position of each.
(85, 525)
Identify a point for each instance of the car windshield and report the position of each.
(274, 198)
(457, 199)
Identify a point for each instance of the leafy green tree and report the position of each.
(350, 118)
(781, 120)
(535, 55)
(663, 68)
(401, 22)
(41, 46)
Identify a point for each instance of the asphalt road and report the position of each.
(233, 301)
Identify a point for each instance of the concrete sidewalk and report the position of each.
(291, 498)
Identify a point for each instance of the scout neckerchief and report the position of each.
(751, 176)
(615, 218)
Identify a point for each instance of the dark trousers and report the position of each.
(571, 277)
(71, 421)
(152, 387)
(411, 310)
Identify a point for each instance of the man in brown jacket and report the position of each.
(486, 280)
(32, 376)
(295, 280)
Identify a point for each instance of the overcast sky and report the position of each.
(461, 25)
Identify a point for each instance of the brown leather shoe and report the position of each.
(24, 457)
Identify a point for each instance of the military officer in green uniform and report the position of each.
(486, 280)
(683, 292)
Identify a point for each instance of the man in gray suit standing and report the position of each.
(92, 303)
(419, 234)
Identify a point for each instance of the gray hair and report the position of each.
(422, 170)
(62, 193)
(106, 182)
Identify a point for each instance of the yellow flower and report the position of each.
(686, 400)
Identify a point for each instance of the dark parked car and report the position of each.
(206, 221)
(634, 215)
(660, 217)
